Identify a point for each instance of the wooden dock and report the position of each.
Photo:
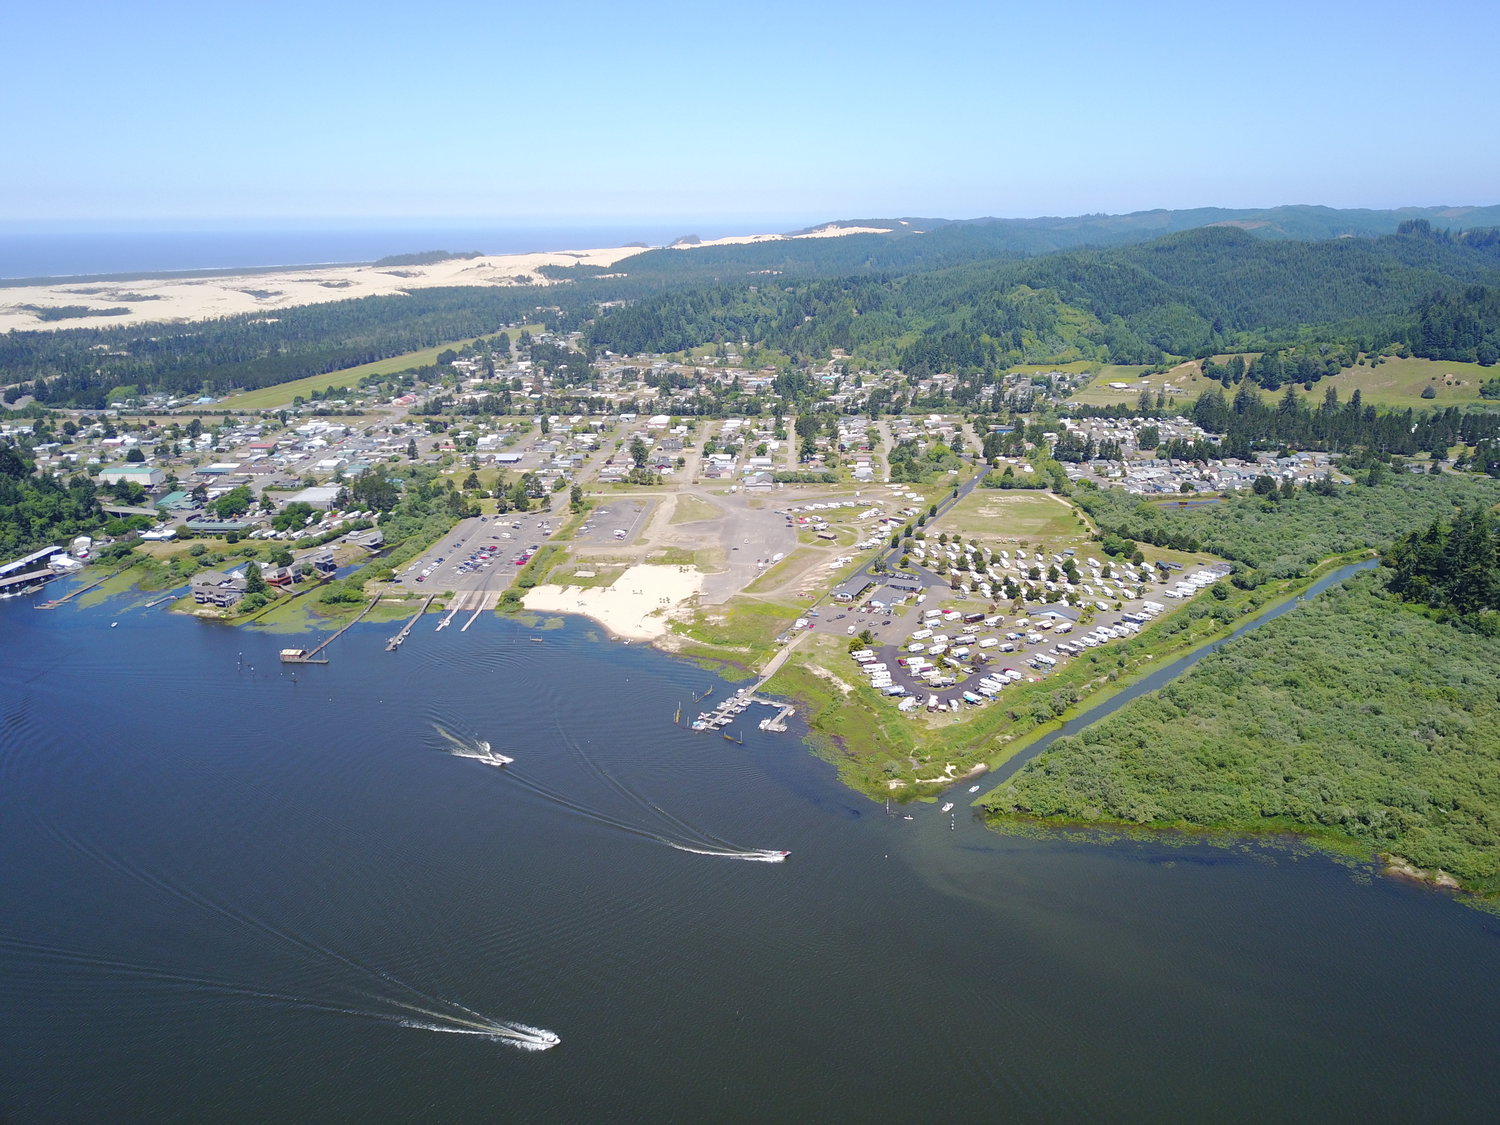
(288, 657)
(395, 642)
(70, 596)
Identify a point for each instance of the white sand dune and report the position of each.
(204, 298)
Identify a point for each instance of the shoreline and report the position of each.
(638, 606)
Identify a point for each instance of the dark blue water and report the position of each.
(224, 885)
(54, 253)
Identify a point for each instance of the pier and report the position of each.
(395, 642)
(777, 722)
(299, 656)
(70, 596)
(477, 600)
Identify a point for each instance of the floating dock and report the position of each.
(721, 715)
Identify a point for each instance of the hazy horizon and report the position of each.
(715, 226)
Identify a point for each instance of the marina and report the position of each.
(721, 715)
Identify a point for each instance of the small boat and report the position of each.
(973, 789)
(731, 738)
(908, 817)
(114, 624)
(948, 807)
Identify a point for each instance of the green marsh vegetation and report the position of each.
(1357, 720)
(1287, 535)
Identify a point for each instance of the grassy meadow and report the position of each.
(1393, 383)
(269, 398)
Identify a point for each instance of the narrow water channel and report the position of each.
(1162, 676)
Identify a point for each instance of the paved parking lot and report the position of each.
(627, 515)
(448, 564)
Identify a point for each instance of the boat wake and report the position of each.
(517, 1035)
(458, 1020)
(668, 829)
(475, 749)
(676, 833)
(753, 855)
(376, 993)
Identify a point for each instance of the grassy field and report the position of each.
(705, 560)
(692, 509)
(267, 398)
(587, 575)
(993, 515)
(1399, 383)
(1184, 382)
(1394, 383)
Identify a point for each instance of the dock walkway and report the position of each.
(312, 657)
(73, 594)
(395, 642)
(722, 714)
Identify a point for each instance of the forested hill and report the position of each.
(921, 244)
(1191, 293)
(876, 296)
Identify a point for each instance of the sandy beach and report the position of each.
(637, 607)
(203, 298)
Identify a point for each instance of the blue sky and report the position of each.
(585, 112)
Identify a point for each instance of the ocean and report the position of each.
(66, 253)
(241, 891)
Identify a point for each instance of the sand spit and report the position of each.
(828, 231)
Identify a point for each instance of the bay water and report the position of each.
(236, 890)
